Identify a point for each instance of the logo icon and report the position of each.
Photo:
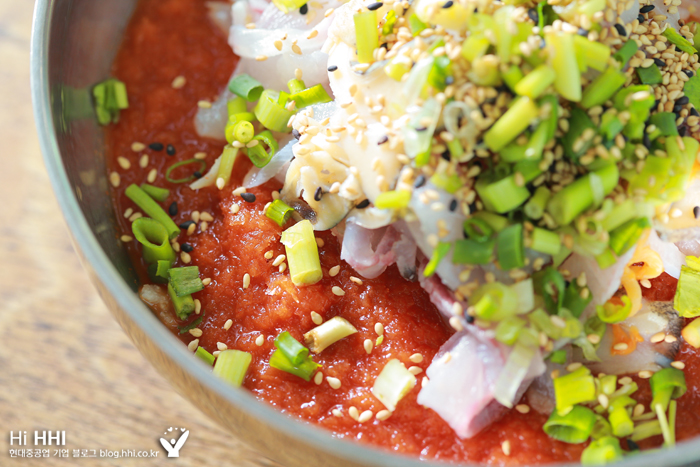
(173, 446)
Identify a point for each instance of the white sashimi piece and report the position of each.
(371, 217)
(209, 178)
(369, 252)
(662, 9)
(523, 365)
(671, 256)
(540, 394)
(461, 381)
(211, 122)
(654, 317)
(631, 13)
(685, 226)
(220, 14)
(440, 295)
(278, 162)
(602, 282)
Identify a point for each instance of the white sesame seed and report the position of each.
(143, 161)
(356, 280)
(206, 281)
(334, 271)
(179, 82)
(279, 260)
(574, 366)
(319, 242)
(379, 329)
(416, 358)
(354, 413)
(200, 155)
(678, 365)
(316, 318)
(126, 238)
(318, 378)
(522, 408)
(505, 447)
(152, 174)
(603, 400)
(658, 337)
(114, 179)
(670, 339)
(365, 416)
(416, 370)
(368, 345)
(205, 216)
(621, 346)
(185, 257)
(337, 413)
(268, 254)
(246, 280)
(645, 374)
(197, 306)
(260, 340)
(196, 332)
(235, 208)
(424, 382)
(192, 346)
(204, 104)
(337, 291)
(456, 323)
(383, 415)
(137, 147)
(128, 212)
(228, 324)
(221, 346)
(333, 382)
(123, 162)
(625, 380)
(216, 353)
(282, 268)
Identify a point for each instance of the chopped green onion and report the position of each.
(575, 388)
(192, 325)
(271, 114)
(646, 430)
(228, 159)
(508, 330)
(667, 384)
(151, 208)
(687, 298)
(585, 192)
(665, 123)
(397, 199)
(415, 24)
(169, 170)
(232, 366)
(110, 97)
(157, 193)
(310, 96)
(603, 88)
(475, 46)
(575, 427)
(628, 234)
(691, 333)
(651, 75)
(500, 195)
(389, 22)
(534, 208)
(558, 356)
(512, 76)
(477, 229)
(393, 383)
(158, 271)
(279, 211)
(621, 423)
(439, 254)
(154, 240)
(291, 348)
(605, 450)
(295, 85)
(594, 54)
(626, 52)
(679, 41)
(449, 183)
(608, 383)
(469, 251)
(510, 247)
(563, 60)
(185, 280)
(494, 301)
(550, 285)
(692, 89)
(302, 253)
(516, 119)
(184, 306)
(305, 370)
(536, 82)
(236, 106)
(243, 131)
(246, 87)
(574, 300)
(545, 241)
(257, 154)
(328, 333)
(202, 353)
(614, 313)
(366, 35)
(578, 123)
(496, 222)
(541, 321)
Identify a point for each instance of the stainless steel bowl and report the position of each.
(73, 45)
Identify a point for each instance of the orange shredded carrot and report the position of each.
(621, 337)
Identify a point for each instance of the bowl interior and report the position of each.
(73, 45)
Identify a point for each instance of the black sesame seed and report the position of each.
(362, 204)
(296, 133)
(689, 73)
(186, 224)
(694, 112)
(197, 174)
(156, 146)
(621, 29)
(449, 80)
(660, 63)
(532, 14)
(453, 205)
(172, 210)
(682, 131)
(375, 6)
(446, 155)
(677, 108)
(696, 212)
(319, 194)
(170, 150)
(420, 181)
(683, 100)
(448, 4)
(646, 140)
(469, 319)
(582, 32)
(641, 18)
(383, 140)
(187, 248)
(631, 445)
(248, 197)
(646, 8)
(385, 45)
(332, 68)
(304, 9)
(422, 128)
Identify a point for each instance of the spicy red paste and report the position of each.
(171, 38)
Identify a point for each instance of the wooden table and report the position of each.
(65, 364)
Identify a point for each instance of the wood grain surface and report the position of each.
(64, 362)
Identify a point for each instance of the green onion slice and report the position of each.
(184, 306)
(627, 235)
(246, 87)
(202, 353)
(185, 280)
(154, 240)
(439, 254)
(192, 325)
(305, 370)
(260, 156)
(157, 193)
(328, 333)
(667, 384)
(202, 168)
(236, 106)
(477, 229)
(575, 388)
(494, 301)
(605, 450)
(271, 114)
(232, 366)
(574, 428)
(472, 252)
(679, 41)
(509, 247)
(310, 96)
(279, 211)
(152, 209)
(291, 348)
(393, 383)
(396, 199)
(611, 312)
(158, 271)
(302, 253)
(366, 35)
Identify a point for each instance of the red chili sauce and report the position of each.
(170, 38)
